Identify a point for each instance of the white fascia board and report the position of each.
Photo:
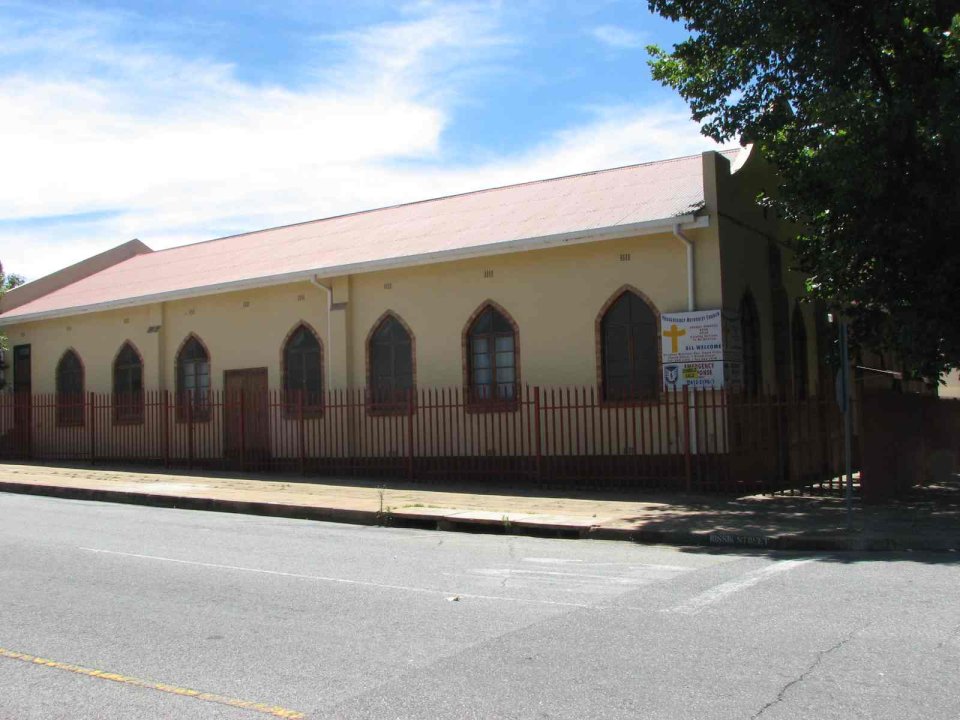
(616, 232)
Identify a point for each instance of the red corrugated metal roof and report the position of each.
(591, 201)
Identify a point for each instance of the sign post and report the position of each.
(843, 398)
(701, 350)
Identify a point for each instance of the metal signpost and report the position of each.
(843, 398)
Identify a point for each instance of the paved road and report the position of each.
(336, 621)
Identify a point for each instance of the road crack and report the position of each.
(806, 673)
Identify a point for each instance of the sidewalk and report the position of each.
(928, 520)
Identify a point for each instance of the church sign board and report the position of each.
(701, 349)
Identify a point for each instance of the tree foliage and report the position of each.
(857, 103)
(9, 281)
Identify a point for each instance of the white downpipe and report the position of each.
(691, 296)
(693, 440)
(328, 350)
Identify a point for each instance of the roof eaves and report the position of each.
(686, 221)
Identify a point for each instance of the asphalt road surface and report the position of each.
(113, 611)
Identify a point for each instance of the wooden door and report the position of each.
(22, 389)
(246, 426)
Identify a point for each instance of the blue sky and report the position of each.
(176, 122)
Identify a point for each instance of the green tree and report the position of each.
(8, 282)
(857, 103)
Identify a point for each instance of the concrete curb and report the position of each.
(462, 521)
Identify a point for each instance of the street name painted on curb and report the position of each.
(748, 540)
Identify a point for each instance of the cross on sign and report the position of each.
(674, 333)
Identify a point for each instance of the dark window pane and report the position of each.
(391, 361)
(128, 385)
(799, 354)
(193, 380)
(303, 370)
(69, 382)
(630, 349)
(750, 332)
(492, 357)
(483, 323)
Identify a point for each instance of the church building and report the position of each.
(558, 282)
(631, 282)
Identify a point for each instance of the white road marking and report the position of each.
(627, 565)
(342, 581)
(551, 561)
(698, 602)
(583, 577)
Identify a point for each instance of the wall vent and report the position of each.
(153, 329)
(624, 257)
(191, 311)
(488, 273)
(246, 303)
(300, 298)
(388, 286)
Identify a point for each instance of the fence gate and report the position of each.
(246, 429)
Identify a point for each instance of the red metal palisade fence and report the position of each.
(702, 441)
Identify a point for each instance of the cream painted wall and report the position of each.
(96, 337)
(243, 329)
(236, 336)
(554, 295)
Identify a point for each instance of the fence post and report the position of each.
(189, 403)
(243, 435)
(410, 412)
(536, 432)
(165, 408)
(688, 460)
(93, 428)
(29, 426)
(303, 456)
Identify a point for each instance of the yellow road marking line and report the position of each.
(162, 687)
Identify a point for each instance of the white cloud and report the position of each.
(173, 151)
(617, 37)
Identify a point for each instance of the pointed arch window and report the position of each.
(800, 371)
(492, 368)
(391, 365)
(70, 405)
(193, 381)
(630, 349)
(752, 357)
(128, 385)
(303, 369)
